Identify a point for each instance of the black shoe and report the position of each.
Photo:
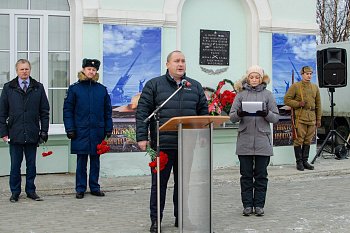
(79, 195)
(34, 196)
(154, 227)
(300, 166)
(259, 211)
(308, 166)
(98, 193)
(14, 197)
(247, 211)
(176, 222)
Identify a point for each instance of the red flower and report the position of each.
(163, 160)
(103, 147)
(227, 98)
(218, 101)
(44, 154)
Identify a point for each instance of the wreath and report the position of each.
(217, 101)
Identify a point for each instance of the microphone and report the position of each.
(185, 83)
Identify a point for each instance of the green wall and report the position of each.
(58, 162)
(93, 41)
(206, 14)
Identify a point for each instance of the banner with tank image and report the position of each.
(131, 57)
(290, 52)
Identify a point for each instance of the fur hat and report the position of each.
(255, 69)
(306, 69)
(91, 63)
(241, 82)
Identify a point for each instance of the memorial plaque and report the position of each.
(214, 47)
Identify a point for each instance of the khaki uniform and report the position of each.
(305, 117)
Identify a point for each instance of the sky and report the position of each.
(121, 46)
(291, 52)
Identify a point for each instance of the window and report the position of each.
(41, 36)
(4, 49)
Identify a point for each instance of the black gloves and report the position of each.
(43, 137)
(241, 113)
(71, 135)
(262, 113)
(108, 134)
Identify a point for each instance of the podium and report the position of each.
(195, 168)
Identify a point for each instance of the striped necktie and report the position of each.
(25, 86)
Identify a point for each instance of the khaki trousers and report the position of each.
(305, 134)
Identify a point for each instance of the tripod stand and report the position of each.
(332, 132)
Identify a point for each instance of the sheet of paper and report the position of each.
(252, 107)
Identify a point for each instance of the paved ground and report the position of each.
(309, 201)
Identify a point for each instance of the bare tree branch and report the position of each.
(333, 18)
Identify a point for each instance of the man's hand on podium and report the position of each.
(142, 145)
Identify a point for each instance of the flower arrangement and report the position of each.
(103, 147)
(218, 101)
(163, 157)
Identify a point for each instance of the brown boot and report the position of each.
(298, 158)
(305, 156)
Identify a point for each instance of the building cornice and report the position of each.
(129, 17)
(289, 27)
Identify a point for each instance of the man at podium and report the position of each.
(189, 101)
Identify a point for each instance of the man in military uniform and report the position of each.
(304, 98)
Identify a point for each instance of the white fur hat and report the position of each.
(255, 69)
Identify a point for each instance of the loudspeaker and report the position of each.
(332, 67)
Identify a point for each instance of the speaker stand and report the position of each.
(331, 134)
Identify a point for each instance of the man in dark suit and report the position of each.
(24, 122)
(189, 101)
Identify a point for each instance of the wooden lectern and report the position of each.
(195, 168)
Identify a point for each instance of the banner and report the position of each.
(290, 52)
(131, 57)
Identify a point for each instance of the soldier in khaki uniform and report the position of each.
(304, 98)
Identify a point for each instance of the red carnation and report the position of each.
(44, 154)
(218, 101)
(163, 160)
(103, 147)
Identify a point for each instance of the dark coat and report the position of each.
(190, 101)
(87, 111)
(23, 114)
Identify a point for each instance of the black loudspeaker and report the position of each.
(332, 67)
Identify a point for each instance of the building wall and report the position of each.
(250, 22)
(228, 16)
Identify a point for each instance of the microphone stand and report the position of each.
(155, 114)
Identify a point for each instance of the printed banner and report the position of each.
(290, 52)
(131, 57)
